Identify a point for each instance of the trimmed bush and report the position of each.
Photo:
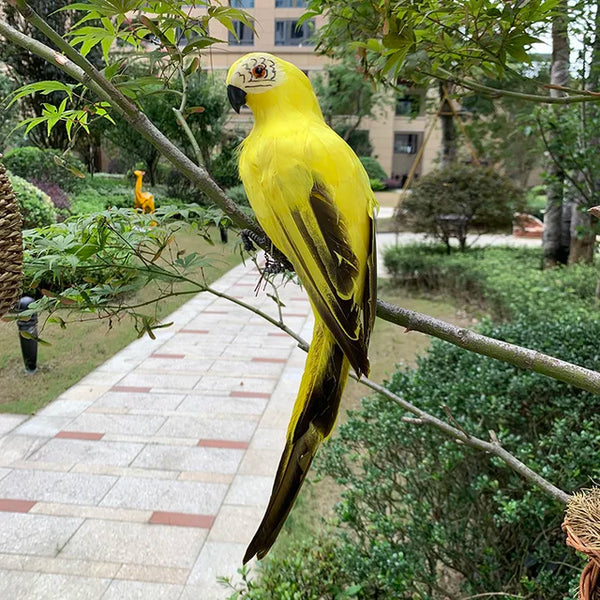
(36, 207)
(475, 197)
(424, 517)
(373, 168)
(31, 163)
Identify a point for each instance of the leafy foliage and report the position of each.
(25, 67)
(417, 40)
(473, 196)
(36, 207)
(92, 263)
(46, 165)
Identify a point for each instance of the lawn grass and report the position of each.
(83, 346)
(390, 346)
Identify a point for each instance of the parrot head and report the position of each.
(261, 80)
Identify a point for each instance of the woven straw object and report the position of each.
(582, 526)
(11, 245)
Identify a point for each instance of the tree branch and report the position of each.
(467, 339)
(586, 96)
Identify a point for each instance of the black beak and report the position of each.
(237, 97)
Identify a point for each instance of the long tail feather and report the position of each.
(315, 412)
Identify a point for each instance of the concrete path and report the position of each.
(148, 478)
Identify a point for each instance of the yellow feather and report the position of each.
(311, 195)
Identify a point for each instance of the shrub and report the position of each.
(373, 168)
(30, 163)
(423, 513)
(238, 195)
(474, 196)
(57, 195)
(424, 517)
(224, 167)
(377, 185)
(36, 207)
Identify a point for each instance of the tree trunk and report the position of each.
(559, 75)
(448, 130)
(583, 236)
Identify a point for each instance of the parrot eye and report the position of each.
(259, 72)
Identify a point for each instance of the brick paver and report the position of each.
(148, 478)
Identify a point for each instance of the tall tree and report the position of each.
(582, 227)
(26, 67)
(556, 248)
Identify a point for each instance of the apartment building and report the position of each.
(396, 134)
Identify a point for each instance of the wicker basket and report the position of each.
(11, 245)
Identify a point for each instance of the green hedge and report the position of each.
(424, 517)
(30, 163)
(36, 207)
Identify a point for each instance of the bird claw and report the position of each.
(275, 260)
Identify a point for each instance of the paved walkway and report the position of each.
(148, 478)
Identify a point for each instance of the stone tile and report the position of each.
(9, 422)
(223, 429)
(65, 408)
(161, 380)
(18, 447)
(217, 559)
(43, 426)
(84, 392)
(260, 462)
(250, 490)
(260, 352)
(16, 506)
(35, 534)
(65, 566)
(209, 460)
(132, 401)
(125, 471)
(140, 590)
(91, 512)
(230, 384)
(165, 495)
(236, 524)
(101, 378)
(276, 416)
(226, 478)
(120, 424)
(268, 439)
(55, 487)
(175, 365)
(222, 405)
(4, 473)
(153, 574)
(66, 587)
(75, 452)
(120, 363)
(16, 584)
(182, 519)
(141, 544)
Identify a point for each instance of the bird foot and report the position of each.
(275, 261)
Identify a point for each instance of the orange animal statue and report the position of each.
(144, 201)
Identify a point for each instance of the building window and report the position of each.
(406, 143)
(289, 33)
(408, 105)
(241, 3)
(244, 35)
(290, 3)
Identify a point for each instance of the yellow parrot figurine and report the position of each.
(312, 197)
